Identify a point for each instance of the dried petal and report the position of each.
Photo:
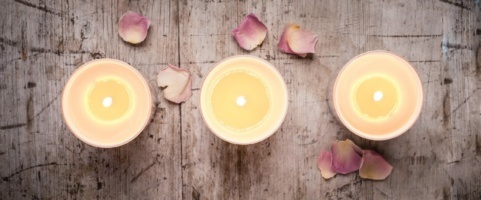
(250, 33)
(356, 148)
(345, 158)
(133, 27)
(374, 166)
(295, 40)
(302, 41)
(283, 44)
(324, 164)
(178, 83)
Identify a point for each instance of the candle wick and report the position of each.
(378, 95)
(241, 101)
(107, 102)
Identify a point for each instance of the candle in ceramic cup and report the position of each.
(106, 103)
(243, 99)
(377, 95)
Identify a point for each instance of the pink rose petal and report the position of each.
(345, 158)
(374, 166)
(283, 44)
(250, 33)
(133, 27)
(356, 148)
(177, 83)
(295, 40)
(324, 164)
(302, 42)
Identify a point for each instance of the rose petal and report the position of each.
(250, 33)
(178, 83)
(356, 148)
(283, 44)
(374, 166)
(133, 27)
(345, 158)
(302, 42)
(324, 164)
(295, 40)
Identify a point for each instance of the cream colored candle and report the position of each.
(106, 103)
(243, 99)
(377, 95)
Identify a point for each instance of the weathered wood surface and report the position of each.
(176, 157)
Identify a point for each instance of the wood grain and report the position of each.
(40, 158)
(177, 157)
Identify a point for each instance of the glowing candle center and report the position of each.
(377, 96)
(241, 101)
(100, 99)
(229, 100)
(107, 102)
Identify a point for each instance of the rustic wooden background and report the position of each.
(43, 41)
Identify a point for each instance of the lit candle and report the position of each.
(377, 95)
(106, 103)
(243, 99)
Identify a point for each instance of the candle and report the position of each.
(243, 99)
(106, 103)
(377, 95)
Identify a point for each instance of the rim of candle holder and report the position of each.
(85, 66)
(381, 137)
(278, 123)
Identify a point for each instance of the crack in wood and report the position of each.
(44, 9)
(30, 112)
(45, 107)
(12, 126)
(42, 50)
(293, 57)
(142, 172)
(203, 62)
(24, 40)
(453, 162)
(477, 59)
(408, 36)
(464, 102)
(425, 61)
(179, 61)
(7, 178)
(456, 4)
(8, 42)
(454, 46)
(383, 193)
(94, 55)
(446, 109)
(477, 146)
(156, 110)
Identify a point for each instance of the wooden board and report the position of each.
(177, 157)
